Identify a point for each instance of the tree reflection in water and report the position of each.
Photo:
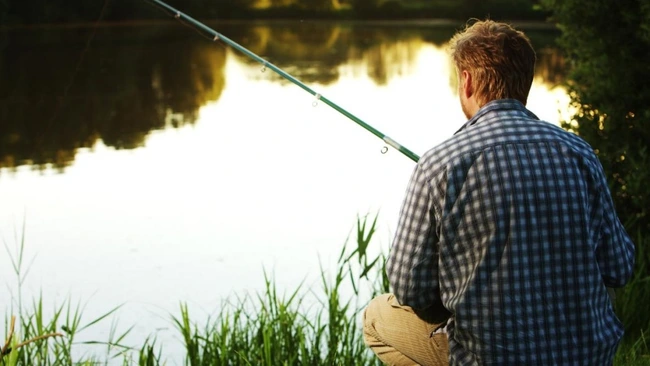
(60, 93)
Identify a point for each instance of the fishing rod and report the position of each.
(216, 36)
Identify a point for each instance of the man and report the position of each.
(507, 239)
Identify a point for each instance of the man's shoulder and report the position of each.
(501, 130)
(440, 155)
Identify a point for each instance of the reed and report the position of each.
(37, 336)
(301, 327)
(315, 325)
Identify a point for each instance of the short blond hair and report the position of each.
(500, 59)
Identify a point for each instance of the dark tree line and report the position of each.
(23, 12)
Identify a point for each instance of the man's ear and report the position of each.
(466, 79)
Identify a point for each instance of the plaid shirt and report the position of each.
(510, 225)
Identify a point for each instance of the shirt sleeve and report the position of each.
(412, 265)
(615, 251)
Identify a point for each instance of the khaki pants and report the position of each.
(400, 337)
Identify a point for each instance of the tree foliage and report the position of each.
(361, 6)
(607, 44)
(319, 5)
(24, 12)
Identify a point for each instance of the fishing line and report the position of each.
(216, 36)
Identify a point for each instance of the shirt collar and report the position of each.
(499, 104)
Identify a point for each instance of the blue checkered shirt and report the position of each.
(510, 226)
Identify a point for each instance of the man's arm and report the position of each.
(615, 251)
(412, 266)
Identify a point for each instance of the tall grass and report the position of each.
(302, 327)
(632, 306)
(630, 298)
(51, 342)
(40, 337)
(308, 325)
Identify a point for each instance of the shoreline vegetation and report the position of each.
(18, 13)
(403, 23)
(300, 326)
(277, 326)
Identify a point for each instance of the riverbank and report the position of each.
(402, 23)
(19, 15)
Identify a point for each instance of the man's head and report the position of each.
(493, 61)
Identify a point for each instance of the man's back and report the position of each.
(507, 229)
(526, 235)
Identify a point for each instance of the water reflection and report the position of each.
(60, 93)
(65, 89)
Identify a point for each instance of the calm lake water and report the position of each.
(151, 166)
